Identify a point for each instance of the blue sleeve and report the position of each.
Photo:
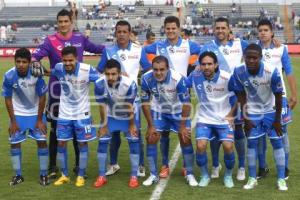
(91, 47)
(41, 87)
(144, 62)
(244, 44)
(93, 76)
(131, 93)
(237, 85)
(276, 83)
(145, 93)
(182, 91)
(102, 62)
(286, 62)
(151, 49)
(55, 71)
(7, 89)
(231, 84)
(100, 91)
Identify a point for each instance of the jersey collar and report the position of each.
(62, 37)
(168, 77)
(215, 78)
(269, 47)
(217, 42)
(260, 71)
(128, 47)
(167, 43)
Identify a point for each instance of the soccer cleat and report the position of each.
(204, 181)
(52, 172)
(215, 172)
(241, 174)
(281, 184)
(133, 182)
(16, 180)
(141, 171)
(100, 181)
(262, 173)
(62, 180)
(80, 181)
(150, 180)
(191, 180)
(252, 182)
(228, 182)
(112, 169)
(44, 180)
(76, 171)
(164, 172)
(183, 171)
(286, 174)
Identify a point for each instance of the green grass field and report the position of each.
(117, 185)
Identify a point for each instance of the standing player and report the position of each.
(215, 114)
(25, 102)
(116, 94)
(278, 58)
(74, 115)
(131, 56)
(169, 111)
(52, 48)
(259, 91)
(180, 53)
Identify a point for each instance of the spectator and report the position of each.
(14, 27)
(149, 11)
(87, 33)
(233, 8)
(162, 31)
(88, 26)
(3, 33)
(95, 27)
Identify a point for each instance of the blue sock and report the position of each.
(164, 148)
(16, 159)
(134, 148)
(43, 155)
(214, 148)
(251, 156)
(115, 144)
(240, 146)
(102, 156)
(286, 145)
(62, 158)
(201, 160)
(279, 157)
(229, 163)
(83, 159)
(188, 157)
(261, 151)
(152, 158)
(141, 142)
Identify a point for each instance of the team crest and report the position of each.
(255, 83)
(209, 88)
(225, 51)
(267, 55)
(123, 57)
(23, 84)
(172, 50)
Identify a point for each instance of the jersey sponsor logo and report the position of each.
(234, 51)
(77, 45)
(219, 89)
(132, 57)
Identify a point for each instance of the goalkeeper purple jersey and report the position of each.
(52, 47)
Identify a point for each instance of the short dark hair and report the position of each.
(172, 19)
(159, 59)
(69, 50)
(254, 47)
(265, 22)
(149, 34)
(209, 54)
(112, 63)
(134, 32)
(123, 23)
(64, 12)
(23, 53)
(222, 19)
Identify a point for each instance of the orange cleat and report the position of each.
(164, 172)
(133, 182)
(101, 180)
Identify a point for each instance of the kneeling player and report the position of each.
(25, 102)
(169, 111)
(215, 115)
(116, 93)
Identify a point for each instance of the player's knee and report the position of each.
(227, 146)
(252, 143)
(201, 146)
(276, 143)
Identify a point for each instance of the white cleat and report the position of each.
(281, 184)
(112, 169)
(150, 180)
(141, 171)
(252, 182)
(241, 174)
(215, 172)
(191, 180)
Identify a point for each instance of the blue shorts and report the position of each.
(82, 128)
(263, 124)
(209, 132)
(168, 122)
(286, 114)
(27, 123)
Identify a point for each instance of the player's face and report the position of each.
(160, 71)
(64, 24)
(151, 40)
(122, 35)
(265, 33)
(69, 62)
(252, 60)
(112, 76)
(22, 65)
(221, 31)
(208, 67)
(172, 31)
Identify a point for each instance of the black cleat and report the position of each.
(76, 171)
(16, 180)
(52, 172)
(44, 180)
(286, 174)
(262, 173)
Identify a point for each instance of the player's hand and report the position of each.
(292, 102)
(277, 127)
(152, 135)
(185, 134)
(40, 125)
(125, 74)
(248, 126)
(276, 42)
(133, 131)
(230, 120)
(13, 128)
(102, 131)
(37, 69)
